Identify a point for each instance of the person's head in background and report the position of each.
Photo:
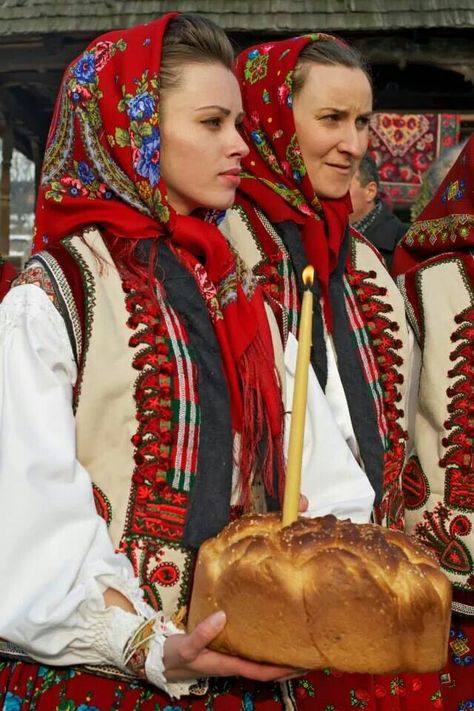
(364, 189)
(433, 178)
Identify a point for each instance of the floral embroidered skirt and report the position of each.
(34, 687)
(334, 691)
(457, 680)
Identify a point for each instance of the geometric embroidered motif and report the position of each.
(415, 485)
(442, 536)
(37, 275)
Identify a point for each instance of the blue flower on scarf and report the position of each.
(148, 164)
(84, 71)
(172, 708)
(248, 702)
(86, 175)
(141, 106)
(12, 702)
(84, 707)
(254, 53)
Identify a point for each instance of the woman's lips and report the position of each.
(341, 169)
(232, 177)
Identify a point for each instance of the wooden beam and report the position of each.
(38, 55)
(444, 53)
(7, 152)
(27, 125)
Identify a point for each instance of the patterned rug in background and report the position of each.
(405, 145)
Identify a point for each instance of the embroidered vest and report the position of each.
(376, 314)
(438, 481)
(127, 400)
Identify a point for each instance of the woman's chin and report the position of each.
(335, 194)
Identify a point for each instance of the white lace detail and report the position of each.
(114, 641)
(113, 629)
(154, 667)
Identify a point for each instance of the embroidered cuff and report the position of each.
(114, 629)
(154, 668)
(135, 644)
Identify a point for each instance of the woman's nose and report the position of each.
(354, 142)
(239, 147)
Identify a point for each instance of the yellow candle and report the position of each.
(298, 410)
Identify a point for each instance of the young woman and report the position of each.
(146, 381)
(435, 267)
(307, 104)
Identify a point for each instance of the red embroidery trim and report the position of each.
(459, 458)
(415, 485)
(442, 536)
(386, 347)
(156, 509)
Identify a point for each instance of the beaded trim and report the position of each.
(443, 231)
(463, 609)
(67, 306)
(89, 305)
(363, 224)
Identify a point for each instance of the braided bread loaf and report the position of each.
(324, 593)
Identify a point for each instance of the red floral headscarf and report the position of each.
(102, 168)
(447, 222)
(276, 178)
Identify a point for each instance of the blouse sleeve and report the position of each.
(57, 558)
(332, 478)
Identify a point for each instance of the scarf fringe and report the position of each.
(261, 446)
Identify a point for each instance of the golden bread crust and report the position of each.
(324, 593)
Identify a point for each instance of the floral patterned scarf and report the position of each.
(447, 222)
(102, 168)
(276, 178)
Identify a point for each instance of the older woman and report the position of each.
(145, 358)
(307, 104)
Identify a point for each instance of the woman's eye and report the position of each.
(331, 118)
(363, 121)
(213, 122)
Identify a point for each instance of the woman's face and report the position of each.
(201, 148)
(331, 113)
